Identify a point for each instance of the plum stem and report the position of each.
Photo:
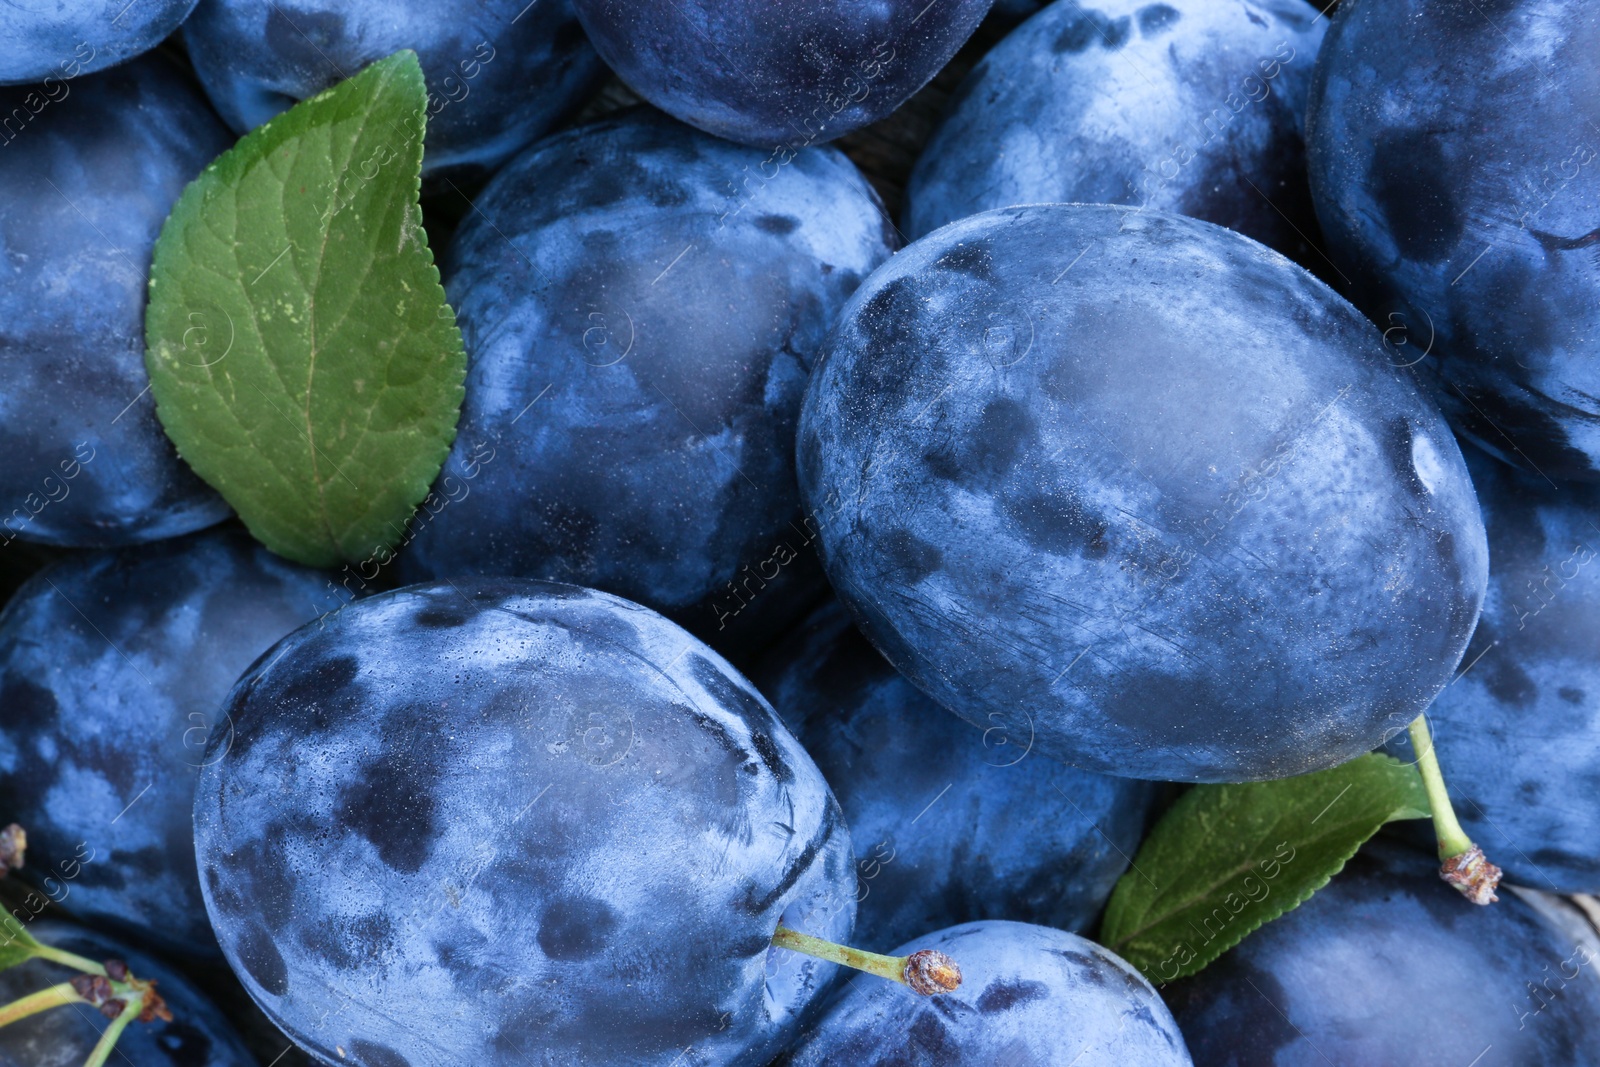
(34, 1003)
(1464, 865)
(927, 971)
(68, 959)
(108, 1039)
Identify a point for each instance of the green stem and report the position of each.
(926, 971)
(34, 1003)
(68, 959)
(1453, 840)
(108, 1040)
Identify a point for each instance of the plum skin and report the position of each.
(641, 304)
(478, 788)
(1327, 982)
(1052, 431)
(113, 666)
(499, 74)
(80, 36)
(1033, 122)
(1518, 732)
(1029, 996)
(778, 72)
(1460, 201)
(198, 1036)
(950, 824)
(87, 462)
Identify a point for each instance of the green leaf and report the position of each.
(301, 352)
(16, 944)
(1227, 858)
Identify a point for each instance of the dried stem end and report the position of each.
(13, 843)
(1472, 874)
(931, 972)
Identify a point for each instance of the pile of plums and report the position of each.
(1225, 396)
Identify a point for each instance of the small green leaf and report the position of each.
(1227, 858)
(301, 352)
(16, 944)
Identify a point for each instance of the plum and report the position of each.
(1193, 106)
(1142, 489)
(113, 668)
(782, 74)
(548, 808)
(1387, 965)
(641, 304)
(1030, 997)
(950, 823)
(85, 183)
(1452, 148)
(197, 1036)
(1518, 732)
(56, 41)
(500, 72)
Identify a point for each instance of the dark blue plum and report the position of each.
(1388, 965)
(1518, 733)
(1454, 150)
(85, 182)
(642, 304)
(500, 72)
(1192, 106)
(502, 822)
(1030, 996)
(781, 74)
(950, 823)
(197, 1036)
(113, 669)
(1143, 488)
(54, 41)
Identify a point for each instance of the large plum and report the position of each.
(950, 824)
(1453, 157)
(113, 668)
(781, 74)
(499, 822)
(54, 41)
(642, 303)
(500, 72)
(1144, 488)
(1387, 965)
(1193, 106)
(85, 184)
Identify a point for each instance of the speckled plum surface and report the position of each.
(1144, 489)
(1193, 106)
(113, 668)
(59, 40)
(500, 72)
(778, 72)
(1388, 965)
(1030, 996)
(501, 822)
(84, 187)
(1518, 733)
(950, 823)
(1454, 150)
(197, 1036)
(642, 303)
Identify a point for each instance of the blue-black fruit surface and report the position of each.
(53, 43)
(1030, 996)
(778, 72)
(113, 669)
(1193, 106)
(85, 183)
(1454, 151)
(951, 824)
(1499, 985)
(1142, 489)
(549, 809)
(642, 304)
